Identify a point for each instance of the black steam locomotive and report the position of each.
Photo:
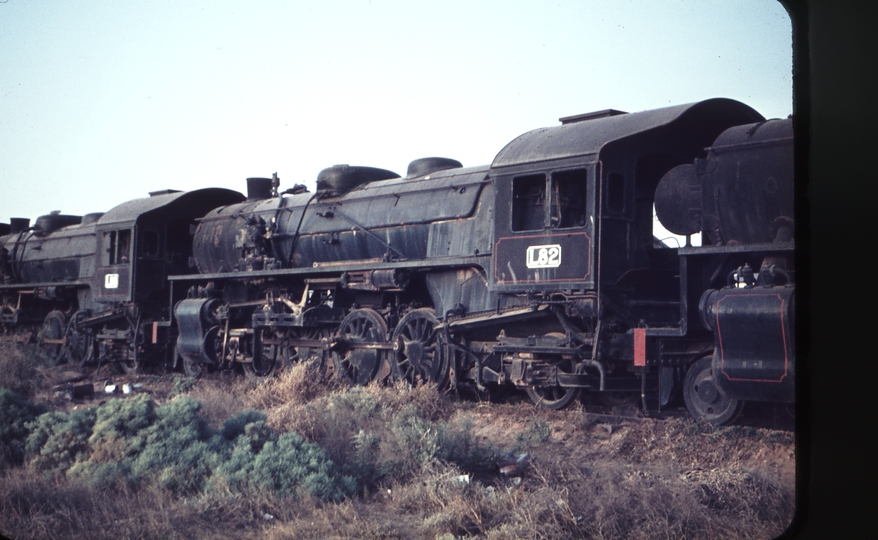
(541, 271)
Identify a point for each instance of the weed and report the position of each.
(538, 431)
(21, 368)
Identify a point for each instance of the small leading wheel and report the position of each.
(360, 365)
(417, 354)
(555, 397)
(267, 345)
(50, 339)
(704, 400)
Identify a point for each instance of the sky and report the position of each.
(102, 102)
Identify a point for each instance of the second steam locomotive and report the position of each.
(540, 271)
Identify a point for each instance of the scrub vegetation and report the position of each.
(304, 458)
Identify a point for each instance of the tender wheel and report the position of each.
(267, 345)
(50, 339)
(555, 397)
(361, 326)
(704, 400)
(418, 354)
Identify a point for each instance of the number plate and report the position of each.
(547, 256)
(111, 281)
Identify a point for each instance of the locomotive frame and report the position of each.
(539, 271)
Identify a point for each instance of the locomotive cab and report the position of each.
(575, 202)
(544, 226)
(143, 241)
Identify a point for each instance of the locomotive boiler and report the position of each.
(539, 271)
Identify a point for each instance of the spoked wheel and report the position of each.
(311, 356)
(555, 397)
(50, 339)
(267, 346)
(417, 353)
(360, 327)
(78, 346)
(704, 400)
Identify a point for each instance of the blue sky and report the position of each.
(102, 102)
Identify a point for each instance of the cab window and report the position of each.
(528, 202)
(568, 198)
(117, 246)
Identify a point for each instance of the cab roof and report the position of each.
(590, 134)
(188, 202)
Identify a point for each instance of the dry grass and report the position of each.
(21, 369)
(588, 476)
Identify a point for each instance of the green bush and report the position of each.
(178, 450)
(58, 440)
(349, 426)
(17, 413)
(376, 432)
(131, 442)
(237, 424)
(286, 465)
(21, 369)
(118, 426)
(418, 441)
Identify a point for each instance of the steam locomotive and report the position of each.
(541, 271)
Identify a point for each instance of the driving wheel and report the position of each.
(78, 346)
(310, 355)
(354, 360)
(50, 339)
(417, 353)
